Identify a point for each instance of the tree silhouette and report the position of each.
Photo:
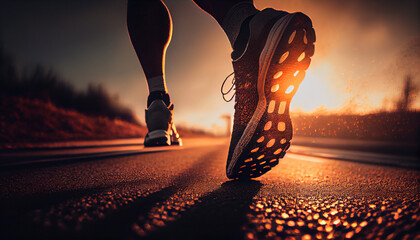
(47, 85)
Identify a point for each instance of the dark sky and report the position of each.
(360, 48)
(79, 35)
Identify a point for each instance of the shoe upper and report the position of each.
(246, 69)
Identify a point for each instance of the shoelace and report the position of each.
(230, 89)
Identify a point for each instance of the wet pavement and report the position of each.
(184, 194)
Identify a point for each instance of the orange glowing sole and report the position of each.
(285, 58)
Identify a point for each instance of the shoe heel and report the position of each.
(157, 138)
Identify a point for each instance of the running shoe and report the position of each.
(267, 76)
(159, 120)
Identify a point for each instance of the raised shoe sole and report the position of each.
(282, 65)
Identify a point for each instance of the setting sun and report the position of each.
(316, 89)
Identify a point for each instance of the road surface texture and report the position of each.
(183, 193)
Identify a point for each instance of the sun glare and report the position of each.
(316, 89)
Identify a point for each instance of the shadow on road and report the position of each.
(103, 212)
(18, 213)
(220, 214)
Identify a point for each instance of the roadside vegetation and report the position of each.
(46, 85)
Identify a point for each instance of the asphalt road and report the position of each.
(183, 193)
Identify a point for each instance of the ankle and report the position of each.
(159, 95)
(242, 40)
(233, 21)
(156, 83)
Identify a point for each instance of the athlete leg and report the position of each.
(150, 28)
(271, 52)
(233, 16)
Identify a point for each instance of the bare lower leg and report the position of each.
(150, 28)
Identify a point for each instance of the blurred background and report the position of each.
(74, 60)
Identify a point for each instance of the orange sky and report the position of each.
(353, 67)
(363, 51)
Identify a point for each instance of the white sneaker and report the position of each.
(162, 131)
